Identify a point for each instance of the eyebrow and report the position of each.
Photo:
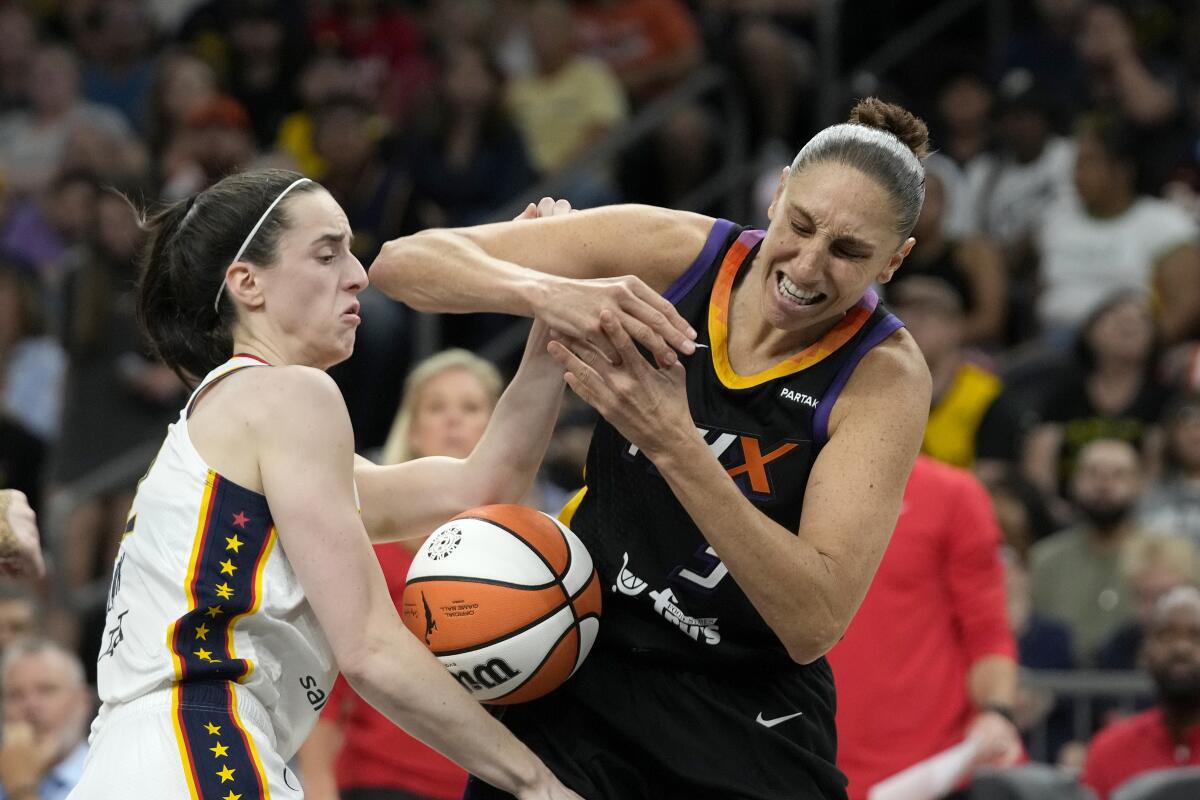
(845, 238)
(333, 238)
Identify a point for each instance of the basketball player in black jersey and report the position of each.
(740, 495)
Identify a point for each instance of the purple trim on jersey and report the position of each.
(691, 276)
(883, 329)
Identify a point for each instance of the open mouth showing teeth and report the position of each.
(793, 293)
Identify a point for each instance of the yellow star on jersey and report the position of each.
(233, 543)
(232, 796)
(206, 655)
(214, 611)
(226, 774)
(224, 591)
(201, 631)
(215, 730)
(227, 567)
(220, 751)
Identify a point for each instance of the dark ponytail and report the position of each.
(189, 246)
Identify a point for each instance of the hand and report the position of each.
(1107, 37)
(999, 738)
(648, 406)
(20, 550)
(24, 760)
(546, 207)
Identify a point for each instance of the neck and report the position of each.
(1112, 204)
(1115, 369)
(248, 344)
(1107, 539)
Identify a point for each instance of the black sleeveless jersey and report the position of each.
(668, 597)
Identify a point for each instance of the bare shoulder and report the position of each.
(292, 396)
(891, 380)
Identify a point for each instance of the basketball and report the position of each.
(507, 598)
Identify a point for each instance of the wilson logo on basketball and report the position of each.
(486, 676)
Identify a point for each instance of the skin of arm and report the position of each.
(305, 453)
(561, 269)
(411, 499)
(317, 760)
(1177, 287)
(850, 505)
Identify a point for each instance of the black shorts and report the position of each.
(624, 730)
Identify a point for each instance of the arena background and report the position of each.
(452, 112)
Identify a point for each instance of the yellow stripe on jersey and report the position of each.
(259, 568)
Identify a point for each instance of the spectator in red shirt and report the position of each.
(1167, 735)
(929, 658)
(355, 753)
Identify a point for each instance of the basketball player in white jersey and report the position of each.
(245, 578)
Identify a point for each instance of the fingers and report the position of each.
(668, 322)
(627, 351)
(530, 212)
(582, 379)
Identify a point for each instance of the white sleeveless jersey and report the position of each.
(202, 591)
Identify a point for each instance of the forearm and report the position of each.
(502, 467)
(1146, 100)
(992, 682)
(317, 758)
(769, 562)
(409, 686)
(443, 271)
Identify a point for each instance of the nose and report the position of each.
(357, 278)
(808, 263)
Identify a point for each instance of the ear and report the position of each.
(783, 176)
(241, 282)
(896, 260)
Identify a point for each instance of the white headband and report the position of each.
(250, 236)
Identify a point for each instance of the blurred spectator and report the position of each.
(1021, 510)
(18, 39)
(355, 753)
(41, 230)
(32, 367)
(215, 141)
(120, 70)
(1111, 238)
(257, 48)
(1042, 643)
(1153, 566)
(1169, 734)
(1096, 600)
(652, 45)
(970, 262)
(570, 102)
(385, 42)
(1012, 187)
(33, 143)
(20, 612)
(972, 423)
(1113, 393)
(184, 85)
(325, 79)
(466, 159)
(963, 127)
(1140, 89)
(46, 708)
(1047, 50)
(1173, 504)
(929, 658)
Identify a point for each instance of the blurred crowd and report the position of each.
(1054, 288)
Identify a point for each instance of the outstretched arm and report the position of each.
(807, 586)
(305, 450)
(563, 270)
(411, 499)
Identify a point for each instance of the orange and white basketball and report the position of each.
(507, 598)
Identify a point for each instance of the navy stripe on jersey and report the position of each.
(218, 753)
(234, 538)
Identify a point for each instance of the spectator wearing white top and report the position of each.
(1112, 238)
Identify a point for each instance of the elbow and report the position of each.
(361, 661)
(392, 270)
(807, 644)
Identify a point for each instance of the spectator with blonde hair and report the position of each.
(1152, 565)
(354, 752)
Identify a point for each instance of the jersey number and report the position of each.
(716, 571)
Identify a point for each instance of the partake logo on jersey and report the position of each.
(799, 398)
